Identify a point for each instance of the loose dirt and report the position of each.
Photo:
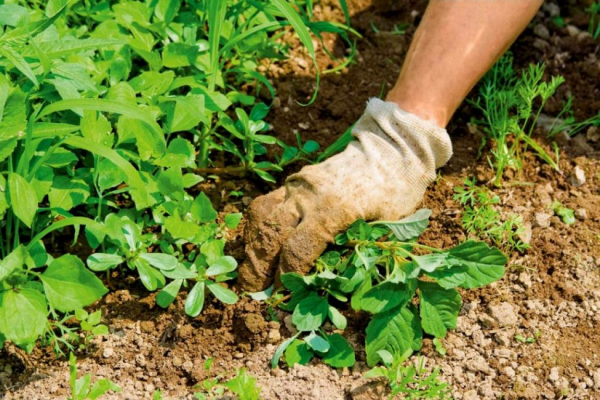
(551, 292)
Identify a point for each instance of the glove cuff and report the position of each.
(406, 131)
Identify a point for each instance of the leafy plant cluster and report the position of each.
(409, 290)
(510, 105)
(110, 113)
(482, 219)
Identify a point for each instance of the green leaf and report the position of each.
(180, 154)
(19, 62)
(449, 278)
(298, 352)
(68, 192)
(385, 296)
(439, 308)
(182, 229)
(392, 331)
(340, 352)
(221, 265)
(95, 317)
(195, 300)
(177, 55)
(170, 183)
(22, 197)
(22, 316)
(233, 220)
(317, 343)
(101, 387)
(410, 227)
(185, 113)
(202, 209)
(485, 265)
(150, 277)
(244, 386)
(280, 349)
(337, 318)
(69, 285)
(82, 386)
(310, 313)
(168, 294)
(12, 262)
(161, 261)
(293, 282)
(42, 181)
(222, 293)
(102, 261)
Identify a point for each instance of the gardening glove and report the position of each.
(381, 176)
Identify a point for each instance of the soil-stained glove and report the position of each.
(381, 176)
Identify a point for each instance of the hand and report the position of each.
(381, 176)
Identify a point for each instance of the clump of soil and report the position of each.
(551, 293)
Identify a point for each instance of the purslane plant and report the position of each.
(382, 273)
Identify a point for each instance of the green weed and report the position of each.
(82, 388)
(566, 214)
(379, 267)
(594, 26)
(242, 385)
(510, 106)
(483, 220)
(110, 115)
(410, 380)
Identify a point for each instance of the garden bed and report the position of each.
(533, 334)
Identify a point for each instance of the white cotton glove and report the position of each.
(381, 176)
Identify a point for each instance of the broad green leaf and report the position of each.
(166, 10)
(181, 272)
(410, 227)
(103, 261)
(203, 210)
(222, 293)
(182, 229)
(68, 192)
(180, 154)
(439, 308)
(7, 147)
(364, 287)
(337, 318)
(151, 278)
(317, 343)
(161, 261)
(449, 278)
(96, 127)
(13, 121)
(385, 296)
(168, 294)
(431, 262)
(195, 300)
(22, 316)
(298, 352)
(221, 265)
(109, 175)
(170, 183)
(69, 285)
(244, 386)
(13, 261)
(392, 331)
(42, 181)
(293, 281)
(340, 352)
(233, 220)
(310, 313)
(280, 349)
(22, 197)
(177, 55)
(485, 265)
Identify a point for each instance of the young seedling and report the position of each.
(483, 220)
(379, 268)
(242, 385)
(82, 388)
(566, 214)
(413, 381)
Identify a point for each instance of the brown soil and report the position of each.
(552, 289)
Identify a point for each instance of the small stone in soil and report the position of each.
(542, 220)
(504, 314)
(577, 177)
(108, 352)
(581, 213)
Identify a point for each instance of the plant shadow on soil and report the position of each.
(150, 348)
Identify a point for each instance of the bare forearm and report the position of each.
(455, 44)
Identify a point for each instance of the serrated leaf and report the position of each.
(485, 265)
(69, 285)
(439, 308)
(310, 313)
